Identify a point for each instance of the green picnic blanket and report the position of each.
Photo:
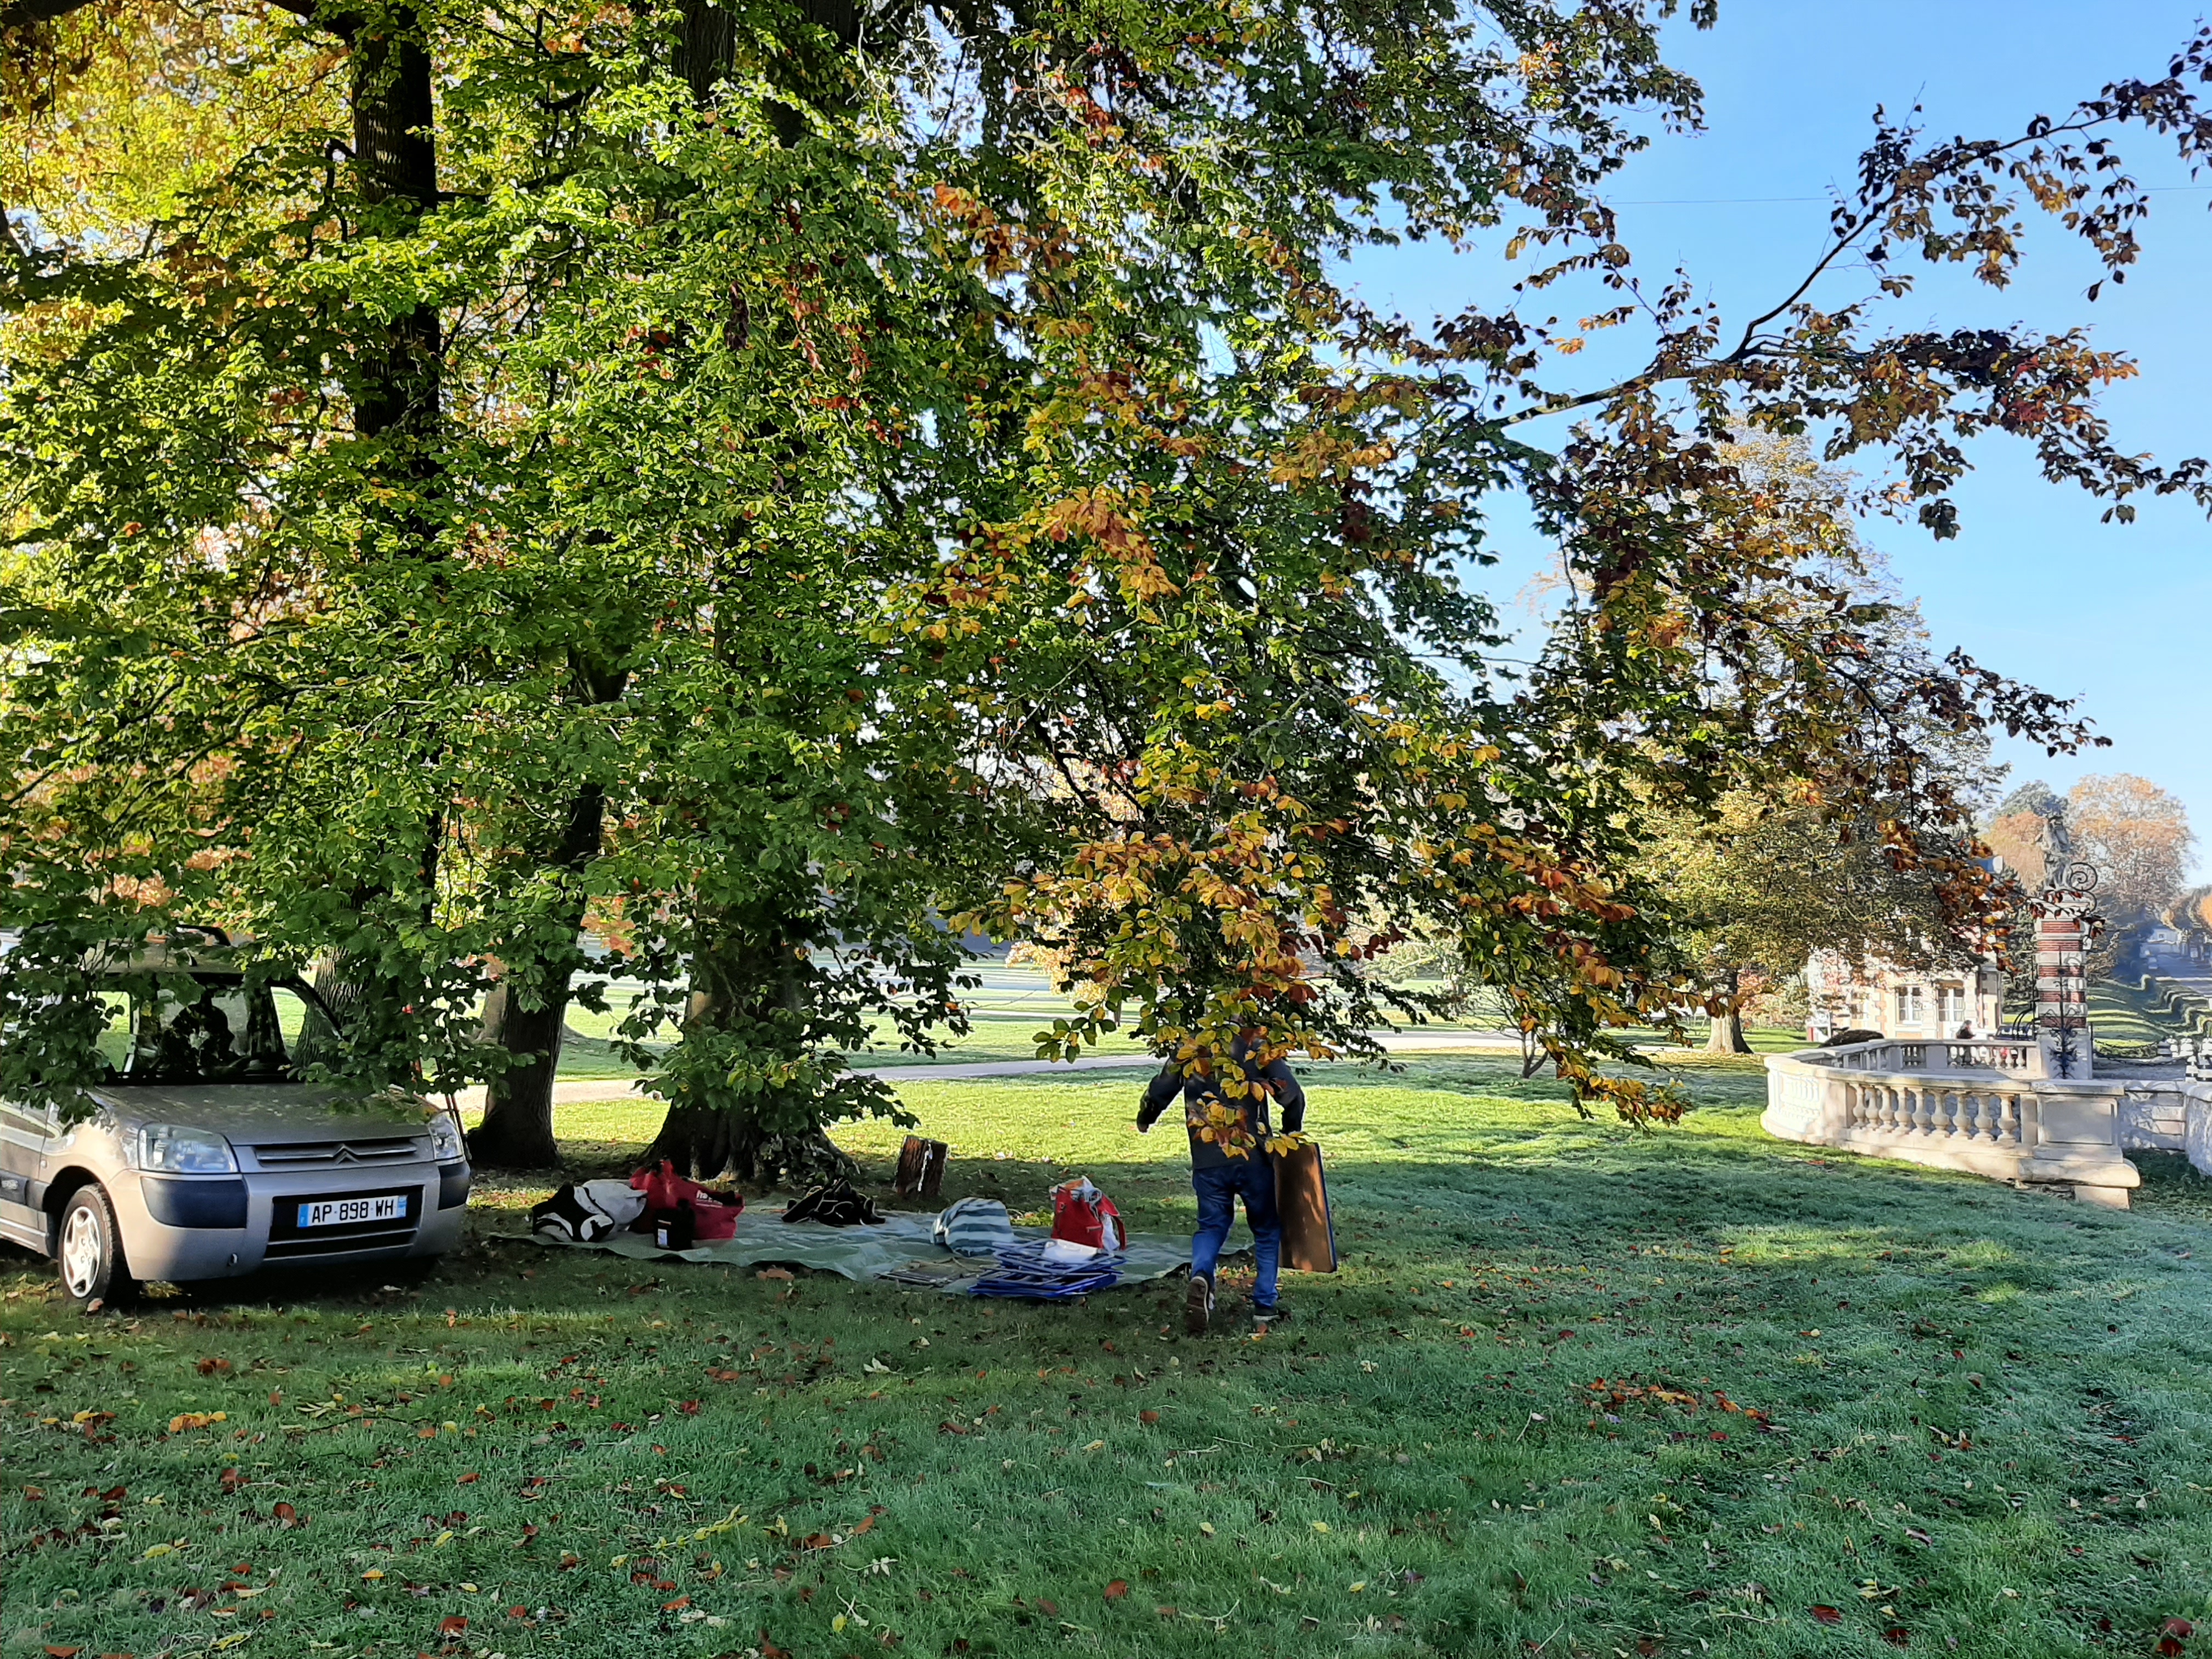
(900, 1247)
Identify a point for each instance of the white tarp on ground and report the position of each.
(903, 1240)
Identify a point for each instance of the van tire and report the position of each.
(88, 1249)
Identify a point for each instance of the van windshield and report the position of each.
(212, 1027)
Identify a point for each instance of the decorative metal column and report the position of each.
(2064, 916)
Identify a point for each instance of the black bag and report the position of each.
(676, 1229)
(835, 1205)
(567, 1218)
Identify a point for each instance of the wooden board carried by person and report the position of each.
(1302, 1200)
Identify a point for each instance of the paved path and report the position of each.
(574, 1090)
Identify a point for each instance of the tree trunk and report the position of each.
(517, 1131)
(1726, 1036)
(748, 991)
(730, 992)
(708, 1144)
(396, 159)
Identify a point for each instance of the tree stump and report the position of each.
(921, 1168)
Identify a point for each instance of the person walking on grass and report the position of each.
(1219, 1177)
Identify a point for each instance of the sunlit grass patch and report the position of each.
(1579, 1387)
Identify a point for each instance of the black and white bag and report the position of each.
(588, 1212)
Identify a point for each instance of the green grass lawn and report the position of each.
(2125, 1015)
(1007, 1006)
(1970, 1420)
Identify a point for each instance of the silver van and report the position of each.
(206, 1159)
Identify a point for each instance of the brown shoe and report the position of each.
(1198, 1305)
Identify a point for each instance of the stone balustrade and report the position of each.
(1978, 1105)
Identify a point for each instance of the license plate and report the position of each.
(348, 1212)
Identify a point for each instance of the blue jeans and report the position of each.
(1218, 1188)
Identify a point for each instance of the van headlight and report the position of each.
(446, 1143)
(175, 1150)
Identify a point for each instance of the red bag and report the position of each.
(1082, 1214)
(714, 1215)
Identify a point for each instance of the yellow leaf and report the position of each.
(372, 1574)
(1321, 1526)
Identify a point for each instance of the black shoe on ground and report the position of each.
(1272, 1313)
(1198, 1305)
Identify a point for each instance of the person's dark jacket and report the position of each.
(1198, 1092)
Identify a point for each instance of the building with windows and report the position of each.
(1958, 1001)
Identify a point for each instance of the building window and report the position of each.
(1951, 1005)
(1908, 1006)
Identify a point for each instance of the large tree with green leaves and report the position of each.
(790, 477)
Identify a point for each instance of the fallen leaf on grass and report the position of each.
(284, 1514)
(184, 1420)
(689, 1408)
(34, 1493)
(1897, 1636)
(1148, 1418)
(372, 1575)
(773, 1272)
(1117, 1590)
(1828, 1615)
(452, 1625)
(676, 1606)
(468, 1480)
(210, 1367)
(2173, 1633)
(1917, 1536)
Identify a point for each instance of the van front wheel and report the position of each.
(88, 1247)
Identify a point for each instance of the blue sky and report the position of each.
(2033, 586)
